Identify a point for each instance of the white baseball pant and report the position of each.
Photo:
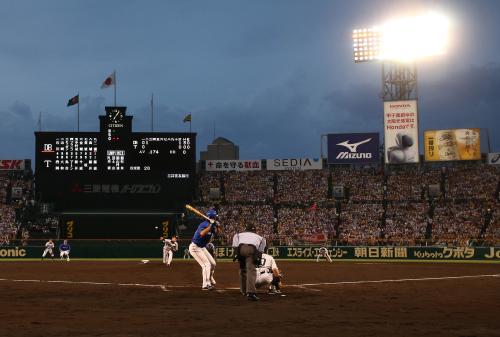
(264, 277)
(64, 254)
(49, 251)
(167, 256)
(206, 261)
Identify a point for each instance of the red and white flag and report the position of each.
(109, 81)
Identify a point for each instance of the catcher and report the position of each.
(269, 275)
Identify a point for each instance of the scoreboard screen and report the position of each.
(115, 168)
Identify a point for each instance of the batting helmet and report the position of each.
(212, 214)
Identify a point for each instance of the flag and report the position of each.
(109, 81)
(74, 100)
(187, 118)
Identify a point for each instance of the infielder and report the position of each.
(49, 249)
(64, 249)
(268, 274)
(169, 247)
(199, 252)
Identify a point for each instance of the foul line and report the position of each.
(160, 286)
(392, 281)
(304, 286)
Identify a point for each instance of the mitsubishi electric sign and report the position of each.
(353, 148)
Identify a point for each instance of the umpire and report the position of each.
(248, 250)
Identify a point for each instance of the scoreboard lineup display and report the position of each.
(115, 168)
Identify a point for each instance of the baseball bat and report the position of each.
(197, 212)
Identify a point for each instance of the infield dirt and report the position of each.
(128, 298)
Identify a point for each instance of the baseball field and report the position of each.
(131, 298)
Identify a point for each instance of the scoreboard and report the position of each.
(115, 168)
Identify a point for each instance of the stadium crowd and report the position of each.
(360, 223)
(296, 187)
(253, 186)
(405, 224)
(394, 207)
(15, 193)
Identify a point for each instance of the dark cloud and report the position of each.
(16, 131)
(354, 109)
(21, 109)
(466, 98)
(463, 99)
(273, 75)
(275, 122)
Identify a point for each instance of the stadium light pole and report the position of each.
(398, 44)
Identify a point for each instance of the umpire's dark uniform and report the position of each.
(249, 248)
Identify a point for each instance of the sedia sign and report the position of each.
(12, 252)
(294, 164)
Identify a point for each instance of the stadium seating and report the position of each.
(392, 207)
(288, 207)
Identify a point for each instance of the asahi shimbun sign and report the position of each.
(401, 132)
(294, 164)
(352, 148)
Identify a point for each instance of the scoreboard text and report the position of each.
(115, 168)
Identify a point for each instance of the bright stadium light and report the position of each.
(366, 44)
(405, 39)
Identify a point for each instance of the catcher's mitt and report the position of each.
(278, 281)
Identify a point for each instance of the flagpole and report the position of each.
(114, 77)
(190, 121)
(78, 109)
(40, 121)
(152, 112)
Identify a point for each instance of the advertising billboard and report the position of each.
(11, 164)
(294, 164)
(233, 165)
(455, 144)
(353, 148)
(494, 158)
(401, 132)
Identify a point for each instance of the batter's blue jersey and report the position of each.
(201, 241)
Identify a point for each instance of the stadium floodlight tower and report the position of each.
(398, 44)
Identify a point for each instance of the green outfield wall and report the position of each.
(153, 249)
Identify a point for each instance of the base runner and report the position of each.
(49, 249)
(269, 275)
(169, 247)
(64, 249)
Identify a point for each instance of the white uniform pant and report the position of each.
(167, 256)
(206, 261)
(64, 254)
(48, 251)
(264, 278)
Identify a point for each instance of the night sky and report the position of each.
(272, 75)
